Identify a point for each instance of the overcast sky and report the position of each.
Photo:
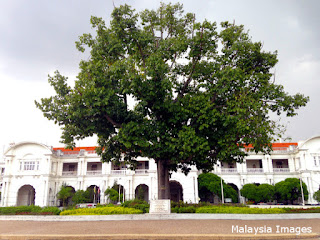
(37, 38)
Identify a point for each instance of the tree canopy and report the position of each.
(290, 190)
(81, 196)
(210, 184)
(262, 193)
(64, 194)
(249, 191)
(316, 195)
(199, 94)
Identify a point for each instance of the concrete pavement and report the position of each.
(88, 227)
(172, 216)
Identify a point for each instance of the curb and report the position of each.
(157, 236)
(173, 216)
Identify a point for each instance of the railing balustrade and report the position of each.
(69, 173)
(255, 170)
(141, 171)
(229, 170)
(281, 170)
(118, 172)
(95, 172)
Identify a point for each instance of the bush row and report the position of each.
(29, 210)
(138, 207)
(303, 210)
(137, 204)
(107, 210)
(239, 210)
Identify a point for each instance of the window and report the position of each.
(315, 161)
(29, 165)
(71, 168)
(94, 167)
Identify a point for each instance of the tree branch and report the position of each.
(194, 62)
(115, 124)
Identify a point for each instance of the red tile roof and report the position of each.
(76, 149)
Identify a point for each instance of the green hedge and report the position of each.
(303, 210)
(29, 210)
(188, 209)
(239, 210)
(108, 210)
(137, 204)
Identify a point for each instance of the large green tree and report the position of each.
(199, 94)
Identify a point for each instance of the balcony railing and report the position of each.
(281, 170)
(118, 172)
(141, 171)
(275, 149)
(69, 173)
(255, 170)
(229, 170)
(95, 172)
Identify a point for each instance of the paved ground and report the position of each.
(161, 229)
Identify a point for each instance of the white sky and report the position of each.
(37, 38)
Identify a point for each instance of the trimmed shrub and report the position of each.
(190, 209)
(101, 211)
(316, 195)
(51, 210)
(303, 210)
(29, 210)
(209, 184)
(137, 204)
(239, 210)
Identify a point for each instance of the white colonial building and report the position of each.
(32, 173)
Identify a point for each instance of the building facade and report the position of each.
(33, 173)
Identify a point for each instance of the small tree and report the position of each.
(113, 193)
(265, 193)
(64, 194)
(210, 184)
(249, 191)
(289, 190)
(316, 195)
(81, 196)
(140, 195)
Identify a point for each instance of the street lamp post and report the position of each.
(302, 192)
(222, 195)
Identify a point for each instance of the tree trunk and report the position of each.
(163, 180)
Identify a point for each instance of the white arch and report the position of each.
(26, 195)
(13, 147)
(308, 140)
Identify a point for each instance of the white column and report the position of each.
(4, 194)
(270, 164)
(291, 164)
(195, 187)
(45, 193)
